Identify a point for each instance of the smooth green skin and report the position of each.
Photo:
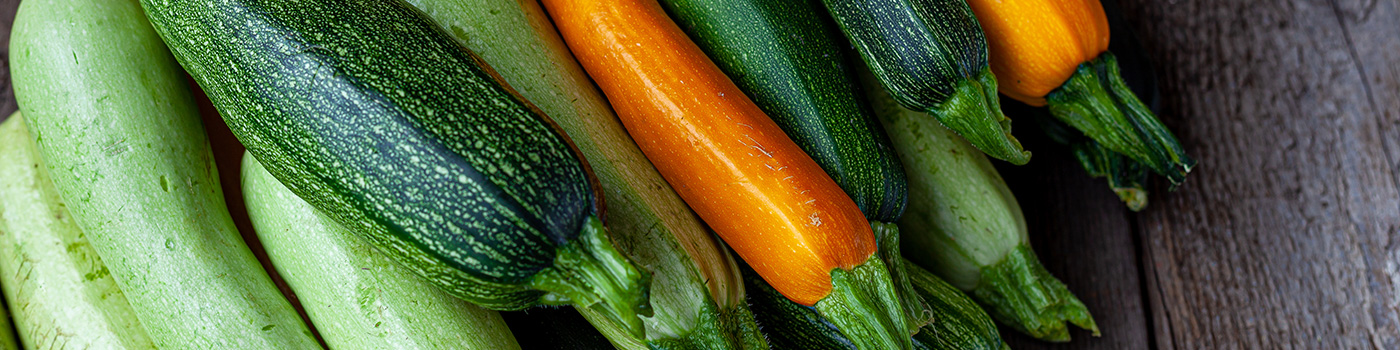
(61, 292)
(1099, 103)
(122, 139)
(1125, 176)
(357, 297)
(964, 224)
(696, 293)
(959, 324)
(932, 55)
(375, 116)
(787, 57)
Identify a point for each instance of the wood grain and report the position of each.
(1283, 236)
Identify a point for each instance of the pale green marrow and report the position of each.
(119, 132)
(59, 292)
(356, 297)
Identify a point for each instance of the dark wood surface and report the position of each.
(1285, 235)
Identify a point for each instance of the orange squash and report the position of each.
(1055, 53)
(752, 184)
(1035, 45)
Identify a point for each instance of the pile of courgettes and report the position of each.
(416, 167)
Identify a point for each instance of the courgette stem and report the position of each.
(51, 275)
(964, 224)
(973, 105)
(1021, 294)
(356, 296)
(916, 312)
(1096, 101)
(589, 272)
(1125, 176)
(865, 309)
(960, 323)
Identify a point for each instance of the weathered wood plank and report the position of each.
(1283, 236)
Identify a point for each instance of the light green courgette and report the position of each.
(356, 296)
(60, 292)
(122, 139)
(963, 224)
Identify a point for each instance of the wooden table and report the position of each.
(1285, 235)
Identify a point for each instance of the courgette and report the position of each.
(122, 139)
(932, 56)
(62, 294)
(696, 292)
(357, 298)
(960, 324)
(378, 118)
(786, 56)
(964, 225)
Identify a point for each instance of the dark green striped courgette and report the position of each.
(375, 116)
(932, 56)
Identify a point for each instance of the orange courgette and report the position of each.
(1055, 53)
(752, 184)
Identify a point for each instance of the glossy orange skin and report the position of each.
(1035, 45)
(752, 184)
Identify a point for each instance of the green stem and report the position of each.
(1018, 292)
(916, 311)
(974, 104)
(590, 273)
(1096, 101)
(1125, 176)
(864, 306)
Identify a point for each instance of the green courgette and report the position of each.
(696, 291)
(959, 323)
(964, 225)
(357, 298)
(61, 293)
(932, 56)
(122, 139)
(374, 115)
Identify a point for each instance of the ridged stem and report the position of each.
(1096, 101)
(590, 273)
(916, 311)
(866, 309)
(973, 104)
(1126, 177)
(1018, 292)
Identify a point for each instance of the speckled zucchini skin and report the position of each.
(372, 114)
(932, 56)
(788, 57)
